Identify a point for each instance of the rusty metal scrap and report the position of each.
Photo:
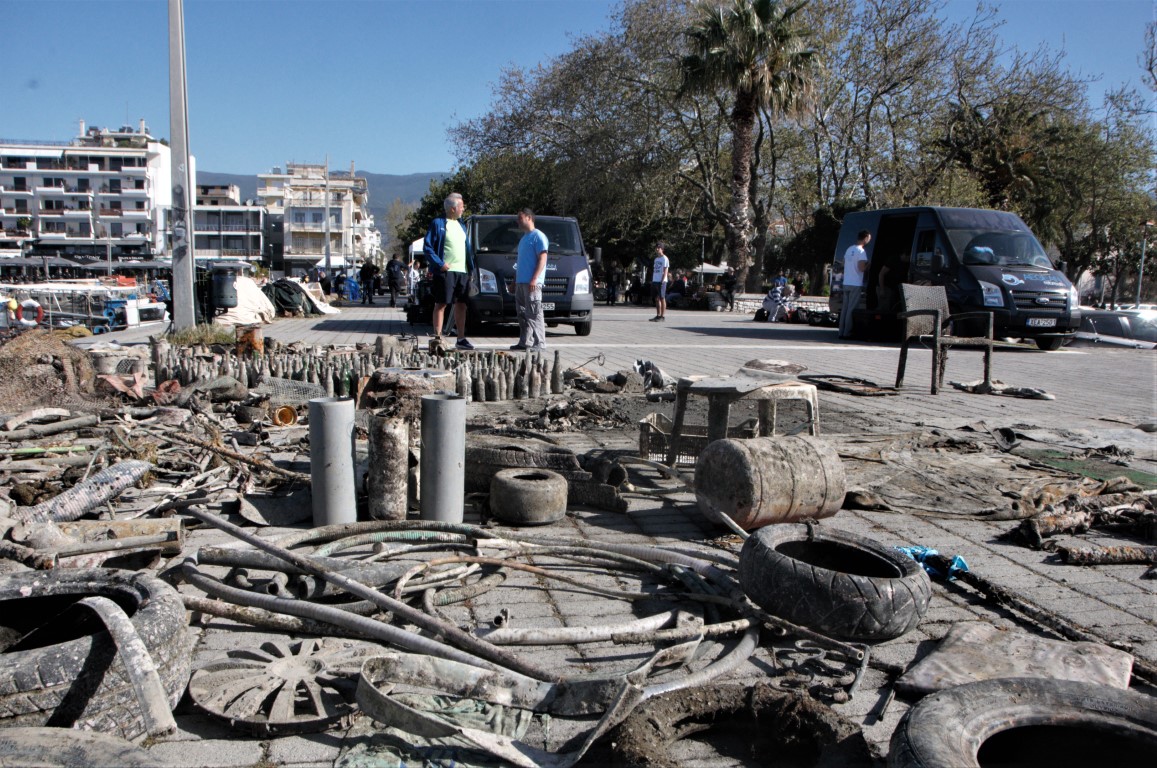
(1122, 554)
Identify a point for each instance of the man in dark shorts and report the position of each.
(447, 250)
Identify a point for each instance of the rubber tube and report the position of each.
(401, 610)
(386, 633)
(331, 460)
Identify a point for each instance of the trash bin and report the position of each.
(224, 287)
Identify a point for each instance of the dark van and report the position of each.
(567, 296)
(986, 260)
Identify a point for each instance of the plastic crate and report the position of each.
(655, 438)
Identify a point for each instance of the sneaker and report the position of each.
(655, 319)
(464, 343)
(518, 347)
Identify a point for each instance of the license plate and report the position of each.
(548, 306)
(1042, 322)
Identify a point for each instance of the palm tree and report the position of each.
(755, 49)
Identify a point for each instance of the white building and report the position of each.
(224, 227)
(104, 194)
(299, 199)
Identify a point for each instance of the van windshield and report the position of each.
(502, 236)
(1001, 249)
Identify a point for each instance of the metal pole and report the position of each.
(331, 460)
(1141, 274)
(328, 268)
(443, 463)
(184, 315)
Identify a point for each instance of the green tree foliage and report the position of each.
(906, 109)
(758, 52)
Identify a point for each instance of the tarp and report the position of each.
(252, 305)
(336, 262)
(711, 269)
(416, 248)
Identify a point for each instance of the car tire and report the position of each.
(583, 329)
(769, 719)
(79, 681)
(1013, 720)
(1049, 343)
(834, 582)
(528, 496)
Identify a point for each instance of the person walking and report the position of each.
(855, 267)
(413, 277)
(728, 288)
(659, 269)
(447, 251)
(529, 278)
(366, 278)
(395, 273)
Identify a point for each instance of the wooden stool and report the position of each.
(721, 392)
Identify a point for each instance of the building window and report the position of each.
(20, 184)
(140, 205)
(82, 185)
(22, 206)
(114, 185)
(50, 181)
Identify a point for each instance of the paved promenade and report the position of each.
(1106, 392)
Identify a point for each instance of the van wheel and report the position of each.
(583, 329)
(1049, 343)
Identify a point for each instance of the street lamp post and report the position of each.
(1141, 275)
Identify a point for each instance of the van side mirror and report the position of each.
(1061, 266)
(939, 262)
(597, 255)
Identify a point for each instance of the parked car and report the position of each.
(1117, 328)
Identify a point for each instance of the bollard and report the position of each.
(331, 460)
(443, 463)
(389, 467)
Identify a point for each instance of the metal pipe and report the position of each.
(331, 460)
(443, 463)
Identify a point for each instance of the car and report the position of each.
(1116, 328)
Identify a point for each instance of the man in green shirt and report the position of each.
(448, 253)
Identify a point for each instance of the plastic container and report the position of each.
(655, 438)
(768, 480)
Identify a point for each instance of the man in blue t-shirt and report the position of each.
(529, 277)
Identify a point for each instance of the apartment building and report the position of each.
(298, 201)
(105, 194)
(224, 227)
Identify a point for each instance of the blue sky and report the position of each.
(376, 82)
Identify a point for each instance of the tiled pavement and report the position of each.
(1100, 391)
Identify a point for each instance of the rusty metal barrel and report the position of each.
(765, 480)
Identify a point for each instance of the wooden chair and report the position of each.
(926, 319)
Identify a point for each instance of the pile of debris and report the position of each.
(411, 621)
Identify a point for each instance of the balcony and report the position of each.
(134, 170)
(113, 213)
(50, 191)
(134, 192)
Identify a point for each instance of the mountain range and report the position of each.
(384, 188)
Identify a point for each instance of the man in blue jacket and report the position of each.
(448, 253)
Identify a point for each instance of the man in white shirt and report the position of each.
(659, 270)
(855, 269)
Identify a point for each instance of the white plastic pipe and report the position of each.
(443, 463)
(331, 460)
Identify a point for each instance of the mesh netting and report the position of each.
(39, 369)
(287, 391)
